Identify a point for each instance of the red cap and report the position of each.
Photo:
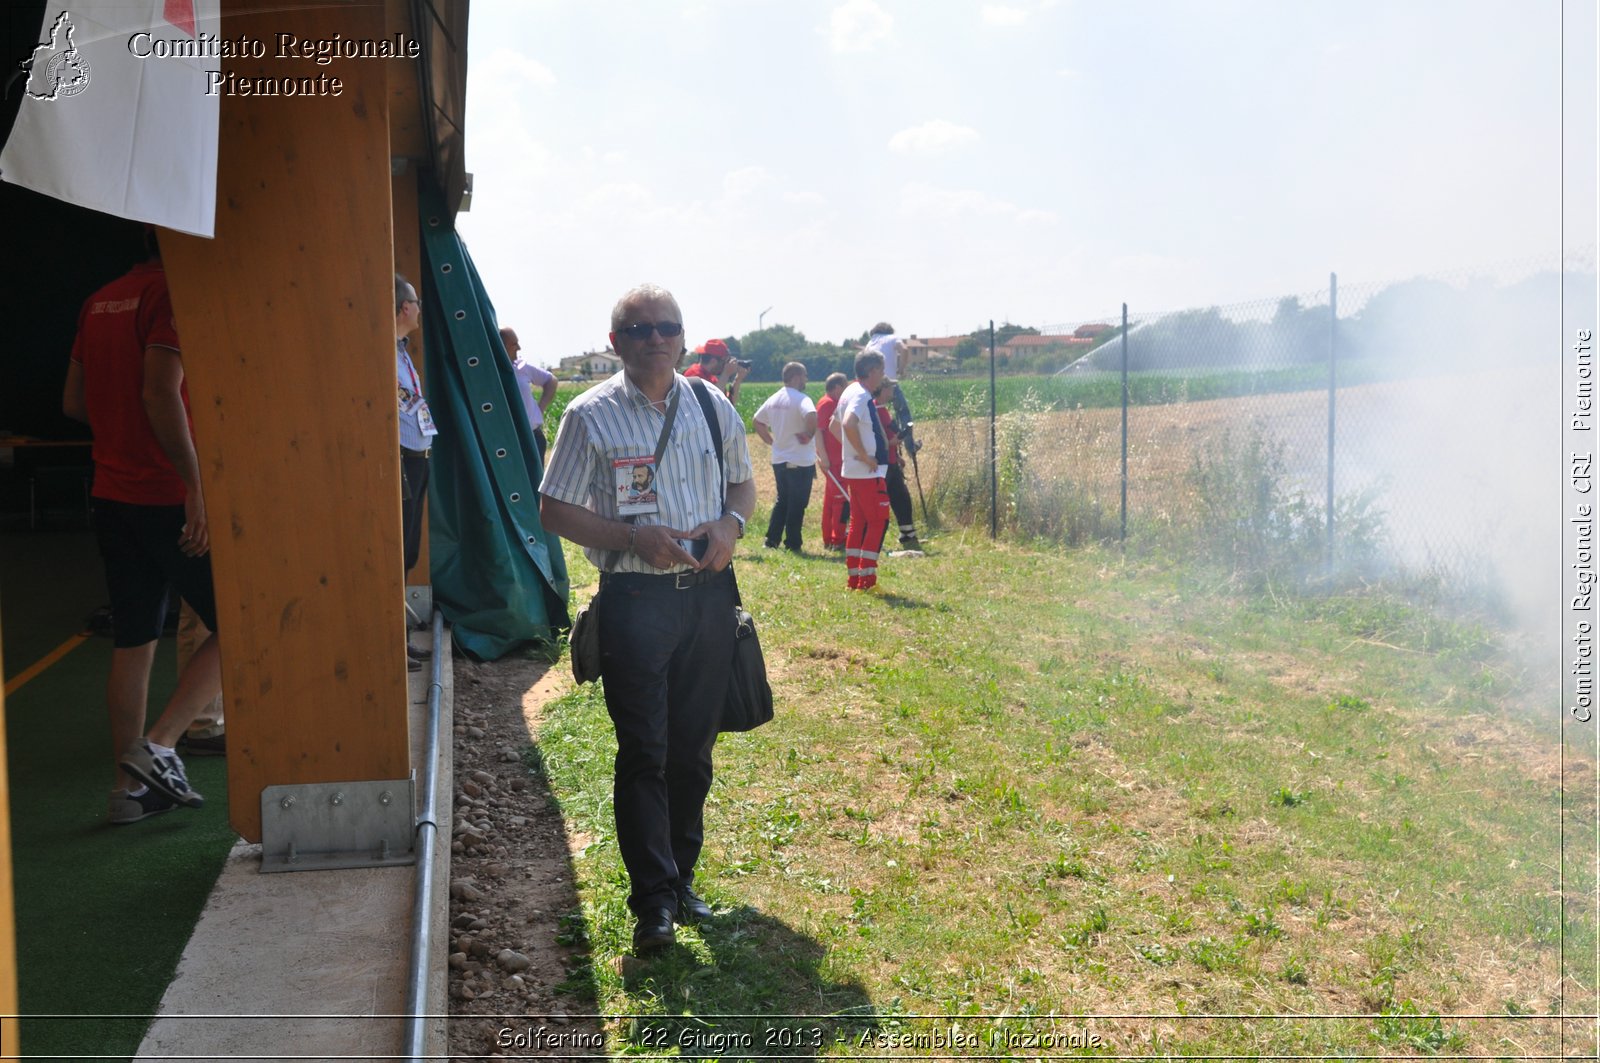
(713, 349)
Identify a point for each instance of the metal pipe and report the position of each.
(994, 447)
(427, 837)
(1124, 535)
(1333, 391)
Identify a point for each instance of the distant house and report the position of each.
(1091, 332)
(925, 354)
(591, 364)
(1071, 346)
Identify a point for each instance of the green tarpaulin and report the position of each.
(498, 576)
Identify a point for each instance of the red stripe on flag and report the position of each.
(180, 13)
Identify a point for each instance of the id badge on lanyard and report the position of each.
(635, 480)
(418, 404)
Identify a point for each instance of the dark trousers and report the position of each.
(789, 511)
(665, 658)
(140, 547)
(900, 500)
(414, 467)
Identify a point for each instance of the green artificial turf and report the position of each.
(102, 913)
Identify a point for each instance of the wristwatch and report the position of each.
(734, 514)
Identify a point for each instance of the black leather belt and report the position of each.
(408, 452)
(678, 581)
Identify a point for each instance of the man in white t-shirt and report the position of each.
(865, 461)
(787, 422)
(530, 376)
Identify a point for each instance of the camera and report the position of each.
(741, 362)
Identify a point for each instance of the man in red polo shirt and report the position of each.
(126, 380)
(835, 500)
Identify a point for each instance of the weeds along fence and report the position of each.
(1354, 426)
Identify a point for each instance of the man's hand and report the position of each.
(196, 537)
(720, 534)
(657, 545)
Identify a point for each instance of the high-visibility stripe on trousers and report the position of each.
(869, 519)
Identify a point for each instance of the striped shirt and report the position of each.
(614, 420)
(413, 436)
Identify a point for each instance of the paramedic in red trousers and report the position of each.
(666, 593)
(866, 460)
(715, 363)
(787, 422)
(835, 503)
(126, 380)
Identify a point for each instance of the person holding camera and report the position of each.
(715, 362)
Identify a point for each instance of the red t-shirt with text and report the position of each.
(115, 326)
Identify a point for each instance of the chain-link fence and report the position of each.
(1419, 420)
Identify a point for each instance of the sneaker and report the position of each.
(126, 808)
(161, 773)
(209, 746)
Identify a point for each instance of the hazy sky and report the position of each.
(938, 164)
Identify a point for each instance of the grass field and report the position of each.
(1035, 790)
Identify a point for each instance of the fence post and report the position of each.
(1124, 424)
(994, 447)
(1333, 390)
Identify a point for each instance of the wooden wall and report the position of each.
(287, 319)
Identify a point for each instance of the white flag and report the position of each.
(115, 114)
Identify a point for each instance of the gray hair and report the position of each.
(642, 293)
(866, 362)
(793, 369)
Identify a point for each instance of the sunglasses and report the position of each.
(642, 330)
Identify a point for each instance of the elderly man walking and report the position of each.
(666, 593)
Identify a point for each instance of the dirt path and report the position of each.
(514, 923)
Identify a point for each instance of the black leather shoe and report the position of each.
(416, 654)
(691, 909)
(653, 931)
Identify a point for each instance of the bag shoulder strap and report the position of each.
(703, 393)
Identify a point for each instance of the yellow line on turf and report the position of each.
(18, 681)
